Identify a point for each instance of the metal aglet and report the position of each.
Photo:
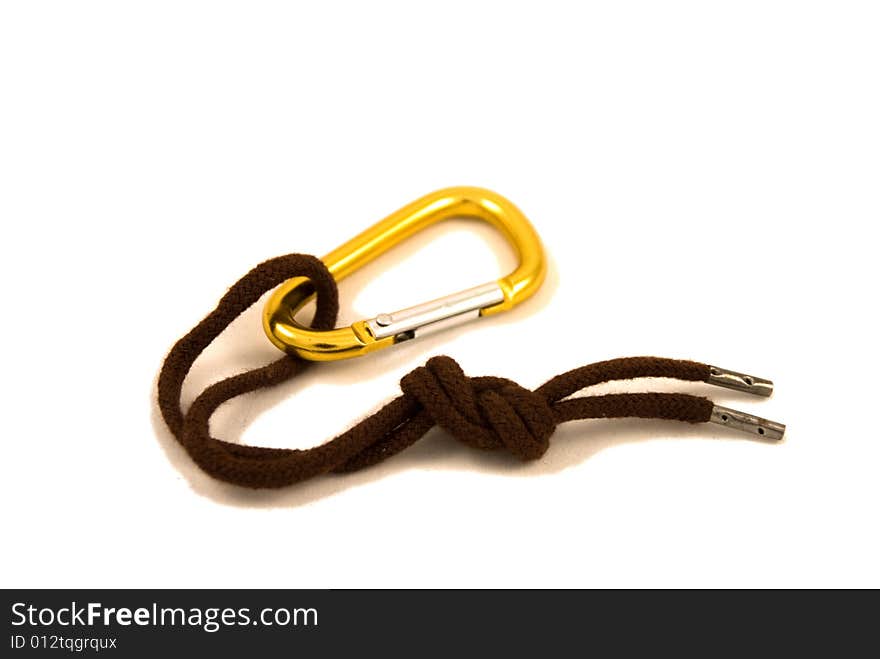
(749, 384)
(724, 416)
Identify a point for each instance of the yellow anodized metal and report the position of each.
(365, 336)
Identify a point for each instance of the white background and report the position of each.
(705, 179)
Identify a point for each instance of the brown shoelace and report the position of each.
(483, 412)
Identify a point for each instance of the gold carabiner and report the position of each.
(389, 328)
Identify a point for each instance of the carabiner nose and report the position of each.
(386, 329)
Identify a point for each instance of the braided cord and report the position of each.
(482, 412)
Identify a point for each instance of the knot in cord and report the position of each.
(483, 412)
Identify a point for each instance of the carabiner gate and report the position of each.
(386, 329)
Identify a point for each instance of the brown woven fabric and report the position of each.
(482, 412)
